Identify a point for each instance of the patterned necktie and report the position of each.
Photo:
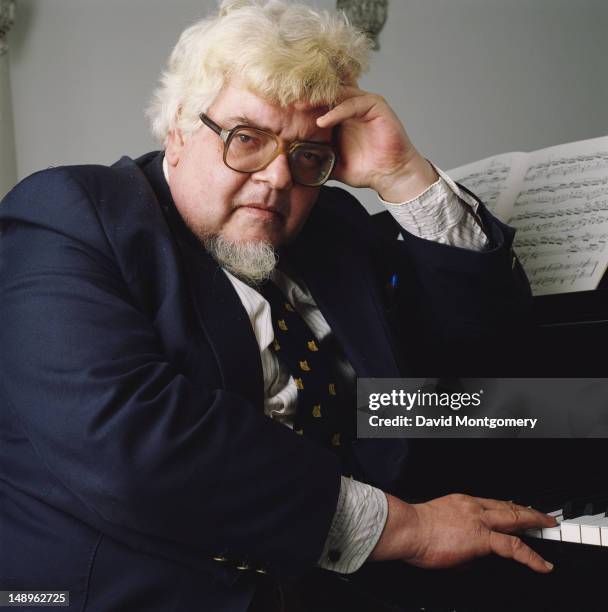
(318, 414)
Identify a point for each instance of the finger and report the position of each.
(511, 547)
(495, 504)
(348, 91)
(356, 106)
(516, 519)
(516, 511)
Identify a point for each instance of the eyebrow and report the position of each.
(235, 120)
(243, 119)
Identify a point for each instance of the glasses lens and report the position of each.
(250, 149)
(312, 164)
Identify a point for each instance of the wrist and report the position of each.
(399, 538)
(408, 182)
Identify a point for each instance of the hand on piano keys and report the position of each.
(454, 529)
(581, 520)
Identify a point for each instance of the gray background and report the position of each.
(469, 78)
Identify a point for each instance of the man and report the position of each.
(160, 451)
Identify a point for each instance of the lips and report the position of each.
(261, 210)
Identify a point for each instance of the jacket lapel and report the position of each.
(220, 310)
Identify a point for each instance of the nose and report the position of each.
(277, 173)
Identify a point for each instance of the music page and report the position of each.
(557, 199)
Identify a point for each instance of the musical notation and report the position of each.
(561, 224)
(565, 166)
(557, 200)
(488, 180)
(572, 213)
(589, 191)
(567, 243)
(562, 274)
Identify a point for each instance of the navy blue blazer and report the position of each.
(134, 453)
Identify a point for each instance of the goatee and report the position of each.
(251, 262)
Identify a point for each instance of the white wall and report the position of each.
(8, 164)
(469, 78)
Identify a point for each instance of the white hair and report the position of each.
(252, 262)
(284, 52)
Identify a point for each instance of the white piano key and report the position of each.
(604, 535)
(553, 533)
(590, 530)
(602, 524)
(571, 528)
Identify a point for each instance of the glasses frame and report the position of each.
(282, 147)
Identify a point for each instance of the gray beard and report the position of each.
(251, 262)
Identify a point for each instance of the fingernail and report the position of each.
(548, 565)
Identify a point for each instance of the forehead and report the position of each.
(296, 121)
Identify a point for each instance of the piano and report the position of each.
(571, 334)
(569, 339)
(578, 582)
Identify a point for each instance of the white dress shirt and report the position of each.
(439, 214)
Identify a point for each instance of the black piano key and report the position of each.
(593, 508)
(579, 506)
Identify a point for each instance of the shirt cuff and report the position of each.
(360, 516)
(442, 213)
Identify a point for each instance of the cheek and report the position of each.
(209, 182)
(204, 198)
(216, 190)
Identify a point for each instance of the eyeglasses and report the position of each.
(249, 149)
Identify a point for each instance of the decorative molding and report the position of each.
(367, 15)
(7, 18)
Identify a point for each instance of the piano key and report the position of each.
(590, 529)
(585, 506)
(553, 533)
(573, 508)
(604, 535)
(596, 507)
(571, 528)
(593, 533)
(585, 529)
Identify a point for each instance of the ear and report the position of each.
(174, 147)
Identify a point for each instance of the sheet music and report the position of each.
(557, 199)
(561, 217)
(493, 180)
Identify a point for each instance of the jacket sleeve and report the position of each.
(454, 311)
(148, 455)
(474, 306)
